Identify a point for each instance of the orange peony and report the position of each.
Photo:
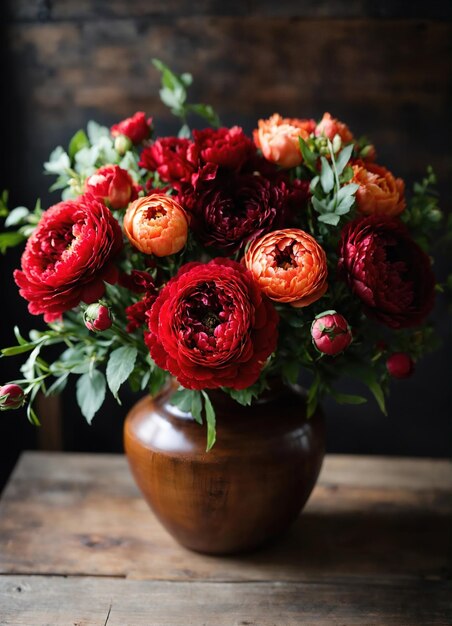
(379, 192)
(289, 266)
(277, 137)
(156, 224)
(330, 127)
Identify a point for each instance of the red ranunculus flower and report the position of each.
(69, 256)
(226, 147)
(175, 160)
(233, 209)
(112, 184)
(387, 270)
(211, 327)
(137, 128)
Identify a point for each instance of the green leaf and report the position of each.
(329, 218)
(184, 132)
(79, 140)
(58, 385)
(290, 370)
(210, 419)
(158, 379)
(91, 393)
(4, 203)
(346, 398)
(379, 396)
(32, 417)
(58, 162)
(347, 174)
(319, 205)
(96, 132)
(312, 399)
(196, 406)
(343, 158)
(16, 216)
(120, 366)
(10, 240)
(24, 347)
(326, 176)
(206, 112)
(347, 191)
(243, 396)
(182, 399)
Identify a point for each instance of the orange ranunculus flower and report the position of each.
(289, 266)
(330, 127)
(156, 224)
(379, 192)
(277, 137)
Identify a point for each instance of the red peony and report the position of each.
(69, 256)
(112, 185)
(331, 333)
(233, 209)
(211, 327)
(225, 147)
(175, 160)
(387, 270)
(137, 128)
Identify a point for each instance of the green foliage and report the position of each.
(211, 422)
(173, 94)
(91, 393)
(119, 367)
(333, 197)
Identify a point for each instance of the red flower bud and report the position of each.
(11, 397)
(98, 317)
(400, 365)
(331, 333)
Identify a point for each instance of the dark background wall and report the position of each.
(384, 67)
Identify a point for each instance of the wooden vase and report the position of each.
(249, 488)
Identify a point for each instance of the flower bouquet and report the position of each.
(223, 261)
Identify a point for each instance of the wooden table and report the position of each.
(79, 547)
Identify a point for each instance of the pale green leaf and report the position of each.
(119, 367)
(91, 393)
(210, 419)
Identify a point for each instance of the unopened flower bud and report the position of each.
(337, 143)
(368, 153)
(331, 333)
(400, 365)
(11, 397)
(122, 144)
(97, 317)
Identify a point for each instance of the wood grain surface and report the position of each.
(373, 548)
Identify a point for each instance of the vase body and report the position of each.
(247, 489)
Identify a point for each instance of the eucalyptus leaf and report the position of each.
(119, 367)
(211, 422)
(329, 218)
(326, 175)
(346, 398)
(343, 158)
(16, 216)
(91, 393)
(196, 406)
(319, 205)
(59, 161)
